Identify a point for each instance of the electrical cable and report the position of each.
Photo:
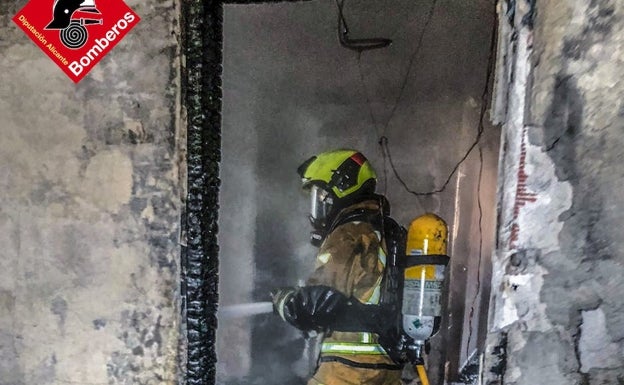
(410, 65)
(385, 151)
(373, 121)
(383, 140)
(368, 102)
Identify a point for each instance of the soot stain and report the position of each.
(99, 323)
(59, 308)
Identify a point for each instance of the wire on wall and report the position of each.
(410, 65)
(383, 141)
(374, 124)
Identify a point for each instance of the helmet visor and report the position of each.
(320, 203)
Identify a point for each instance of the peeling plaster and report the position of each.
(557, 284)
(520, 293)
(116, 169)
(553, 198)
(595, 346)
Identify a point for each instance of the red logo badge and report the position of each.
(76, 34)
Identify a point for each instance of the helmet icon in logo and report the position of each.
(72, 17)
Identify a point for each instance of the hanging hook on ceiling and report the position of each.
(358, 45)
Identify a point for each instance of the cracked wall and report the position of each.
(90, 203)
(560, 254)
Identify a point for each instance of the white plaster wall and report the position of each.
(90, 202)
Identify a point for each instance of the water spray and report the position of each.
(244, 310)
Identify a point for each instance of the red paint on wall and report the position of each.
(523, 195)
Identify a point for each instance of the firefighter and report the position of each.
(345, 215)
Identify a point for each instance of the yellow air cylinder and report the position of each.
(427, 235)
(426, 262)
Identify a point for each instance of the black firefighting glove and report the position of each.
(322, 308)
(310, 307)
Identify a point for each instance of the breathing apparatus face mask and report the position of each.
(320, 205)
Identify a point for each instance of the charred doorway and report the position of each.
(417, 108)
